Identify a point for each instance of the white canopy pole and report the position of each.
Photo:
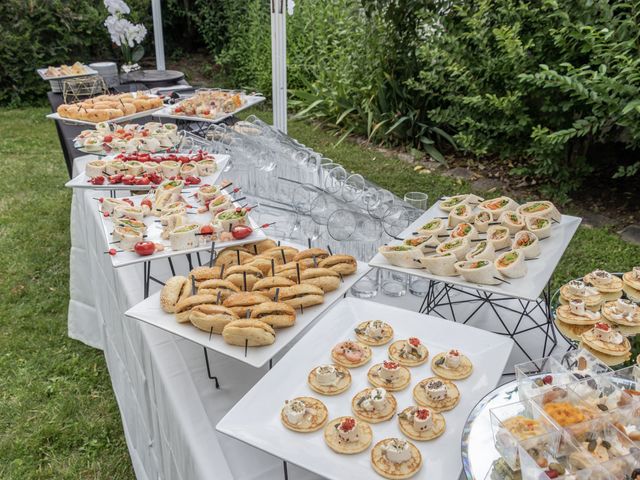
(158, 38)
(279, 63)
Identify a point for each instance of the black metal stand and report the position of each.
(211, 377)
(148, 277)
(438, 301)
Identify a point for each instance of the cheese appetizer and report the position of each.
(374, 332)
(347, 435)
(452, 365)
(304, 414)
(329, 379)
(374, 405)
(390, 375)
(409, 353)
(395, 459)
(422, 424)
(437, 394)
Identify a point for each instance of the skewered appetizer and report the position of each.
(108, 107)
(209, 104)
(140, 169)
(151, 137)
(66, 70)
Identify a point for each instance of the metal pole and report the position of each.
(279, 63)
(158, 38)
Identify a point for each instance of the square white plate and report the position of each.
(82, 180)
(154, 234)
(528, 287)
(255, 419)
(149, 311)
(167, 112)
(88, 71)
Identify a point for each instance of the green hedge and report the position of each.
(543, 85)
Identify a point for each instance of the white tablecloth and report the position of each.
(169, 406)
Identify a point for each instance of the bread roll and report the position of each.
(306, 257)
(325, 278)
(266, 285)
(229, 257)
(257, 248)
(343, 264)
(174, 290)
(253, 333)
(200, 274)
(183, 307)
(238, 273)
(303, 295)
(243, 301)
(215, 286)
(211, 318)
(276, 314)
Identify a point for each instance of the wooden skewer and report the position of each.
(502, 280)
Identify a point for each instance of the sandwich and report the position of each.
(260, 247)
(325, 278)
(211, 318)
(306, 257)
(342, 264)
(230, 256)
(303, 295)
(201, 274)
(290, 271)
(174, 290)
(238, 273)
(252, 333)
(217, 286)
(242, 302)
(276, 314)
(269, 284)
(184, 306)
(280, 255)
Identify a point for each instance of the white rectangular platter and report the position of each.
(154, 231)
(528, 287)
(252, 100)
(88, 72)
(255, 419)
(149, 311)
(123, 119)
(82, 180)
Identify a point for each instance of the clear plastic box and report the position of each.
(517, 422)
(602, 394)
(560, 460)
(612, 450)
(538, 376)
(562, 407)
(582, 364)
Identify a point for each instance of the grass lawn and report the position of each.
(59, 418)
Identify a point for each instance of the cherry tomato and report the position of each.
(144, 248)
(241, 231)
(144, 157)
(112, 251)
(107, 139)
(129, 180)
(143, 181)
(116, 178)
(191, 180)
(105, 214)
(97, 181)
(206, 230)
(178, 110)
(183, 159)
(101, 199)
(128, 200)
(146, 202)
(156, 178)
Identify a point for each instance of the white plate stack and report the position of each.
(108, 71)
